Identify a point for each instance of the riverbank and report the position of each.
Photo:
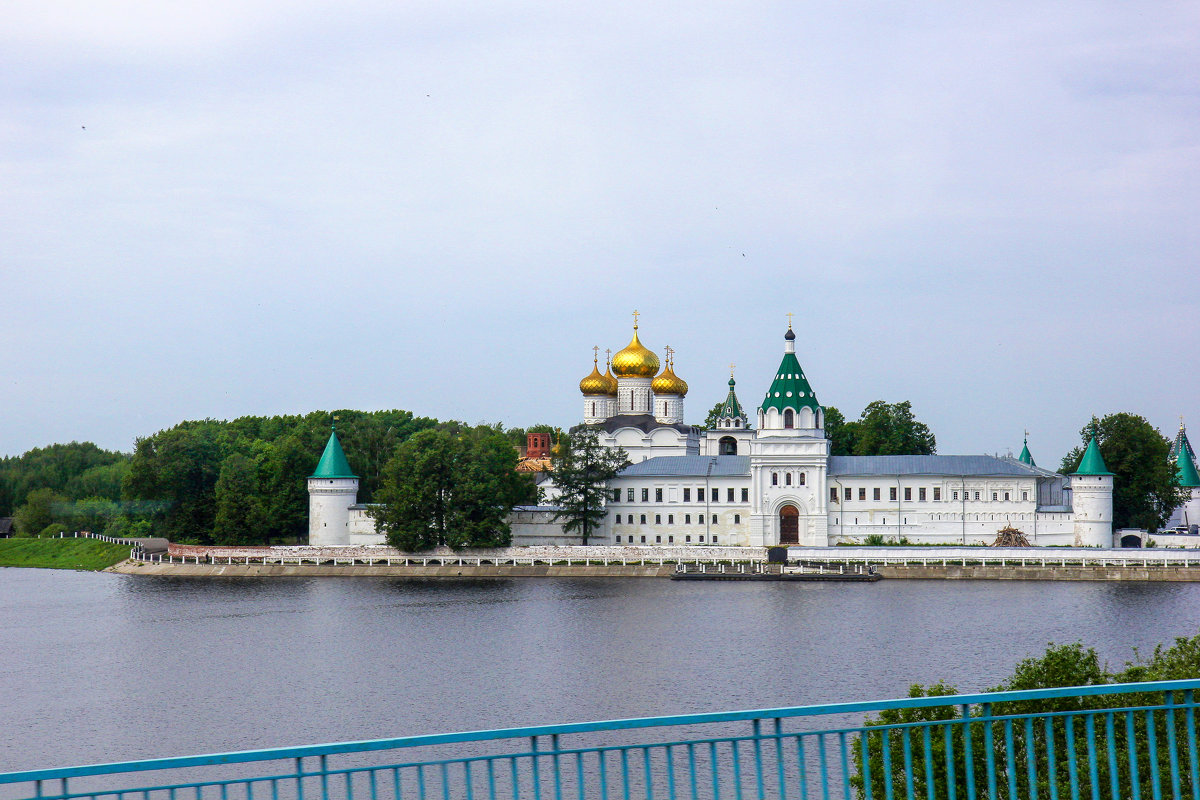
(83, 554)
(976, 572)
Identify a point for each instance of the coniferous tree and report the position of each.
(582, 469)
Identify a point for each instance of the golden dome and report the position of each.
(595, 383)
(668, 382)
(610, 380)
(635, 361)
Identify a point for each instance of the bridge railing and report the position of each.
(1111, 741)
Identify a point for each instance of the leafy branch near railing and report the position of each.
(1054, 748)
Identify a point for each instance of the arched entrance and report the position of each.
(727, 446)
(1131, 540)
(789, 525)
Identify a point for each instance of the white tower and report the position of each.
(332, 489)
(1091, 499)
(789, 461)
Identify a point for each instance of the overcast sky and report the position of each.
(220, 208)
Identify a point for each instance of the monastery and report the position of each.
(771, 480)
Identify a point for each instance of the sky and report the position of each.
(217, 208)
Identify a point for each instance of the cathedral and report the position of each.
(770, 480)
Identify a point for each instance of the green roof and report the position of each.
(1093, 462)
(1025, 457)
(1187, 472)
(790, 388)
(333, 462)
(732, 408)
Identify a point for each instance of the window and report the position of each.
(658, 519)
(616, 495)
(619, 519)
(1024, 495)
(658, 540)
(802, 481)
(645, 495)
(774, 478)
(833, 494)
(643, 540)
(875, 493)
(908, 493)
(977, 495)
(891, 493)
(729, 495)
(954, 496)
(670, 540)
(687, 519)
(848, 492)
(937, 493)
(993, 497)
(714, 522)
(699, 495)
(629, 495)
(737, 519)
(670, 519)
(862, 493)
(702, 538)
(789, 419)
(688, 538)
(714, 540)
(687, 495)
(658, 495)
(745, 495)
(921, 494)
(1006, 497)
(643, 522)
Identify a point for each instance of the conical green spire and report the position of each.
(333, 462)
(1093, 462)
(732, 409)
(1026, 457)
(1181, 451)
(790, 388)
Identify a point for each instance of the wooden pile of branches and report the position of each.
(1010, 537)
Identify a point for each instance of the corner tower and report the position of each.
(789, 461)
(332, 489)
(1092, 499)
(1188, 514)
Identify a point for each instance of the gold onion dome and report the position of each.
(635, 361)
(668, 382)
(610, 380)
(595, 383)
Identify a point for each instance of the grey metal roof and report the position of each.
(931, 465)
(664, 466)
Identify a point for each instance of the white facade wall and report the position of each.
(1188, 514)
(634, 396)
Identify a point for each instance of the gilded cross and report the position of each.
(595, 353)
(731, 369)
(789, 316)
(635, 318)
(608, 355)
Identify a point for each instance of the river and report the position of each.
(100, 667)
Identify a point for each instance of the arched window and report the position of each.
(774, 478)
(727, 446)
(593, 409)
(737, 423)
(802, 479)
(787, 479)
(789, 419)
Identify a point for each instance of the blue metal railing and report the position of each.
(1083, 743)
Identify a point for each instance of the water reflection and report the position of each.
(106, 667)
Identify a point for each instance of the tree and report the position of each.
(582, 470)
(41, 508)
(1145, 485)
(714, 414)
(454, 488)
(883, 429)
(240, 517)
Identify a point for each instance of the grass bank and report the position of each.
(86, 554)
